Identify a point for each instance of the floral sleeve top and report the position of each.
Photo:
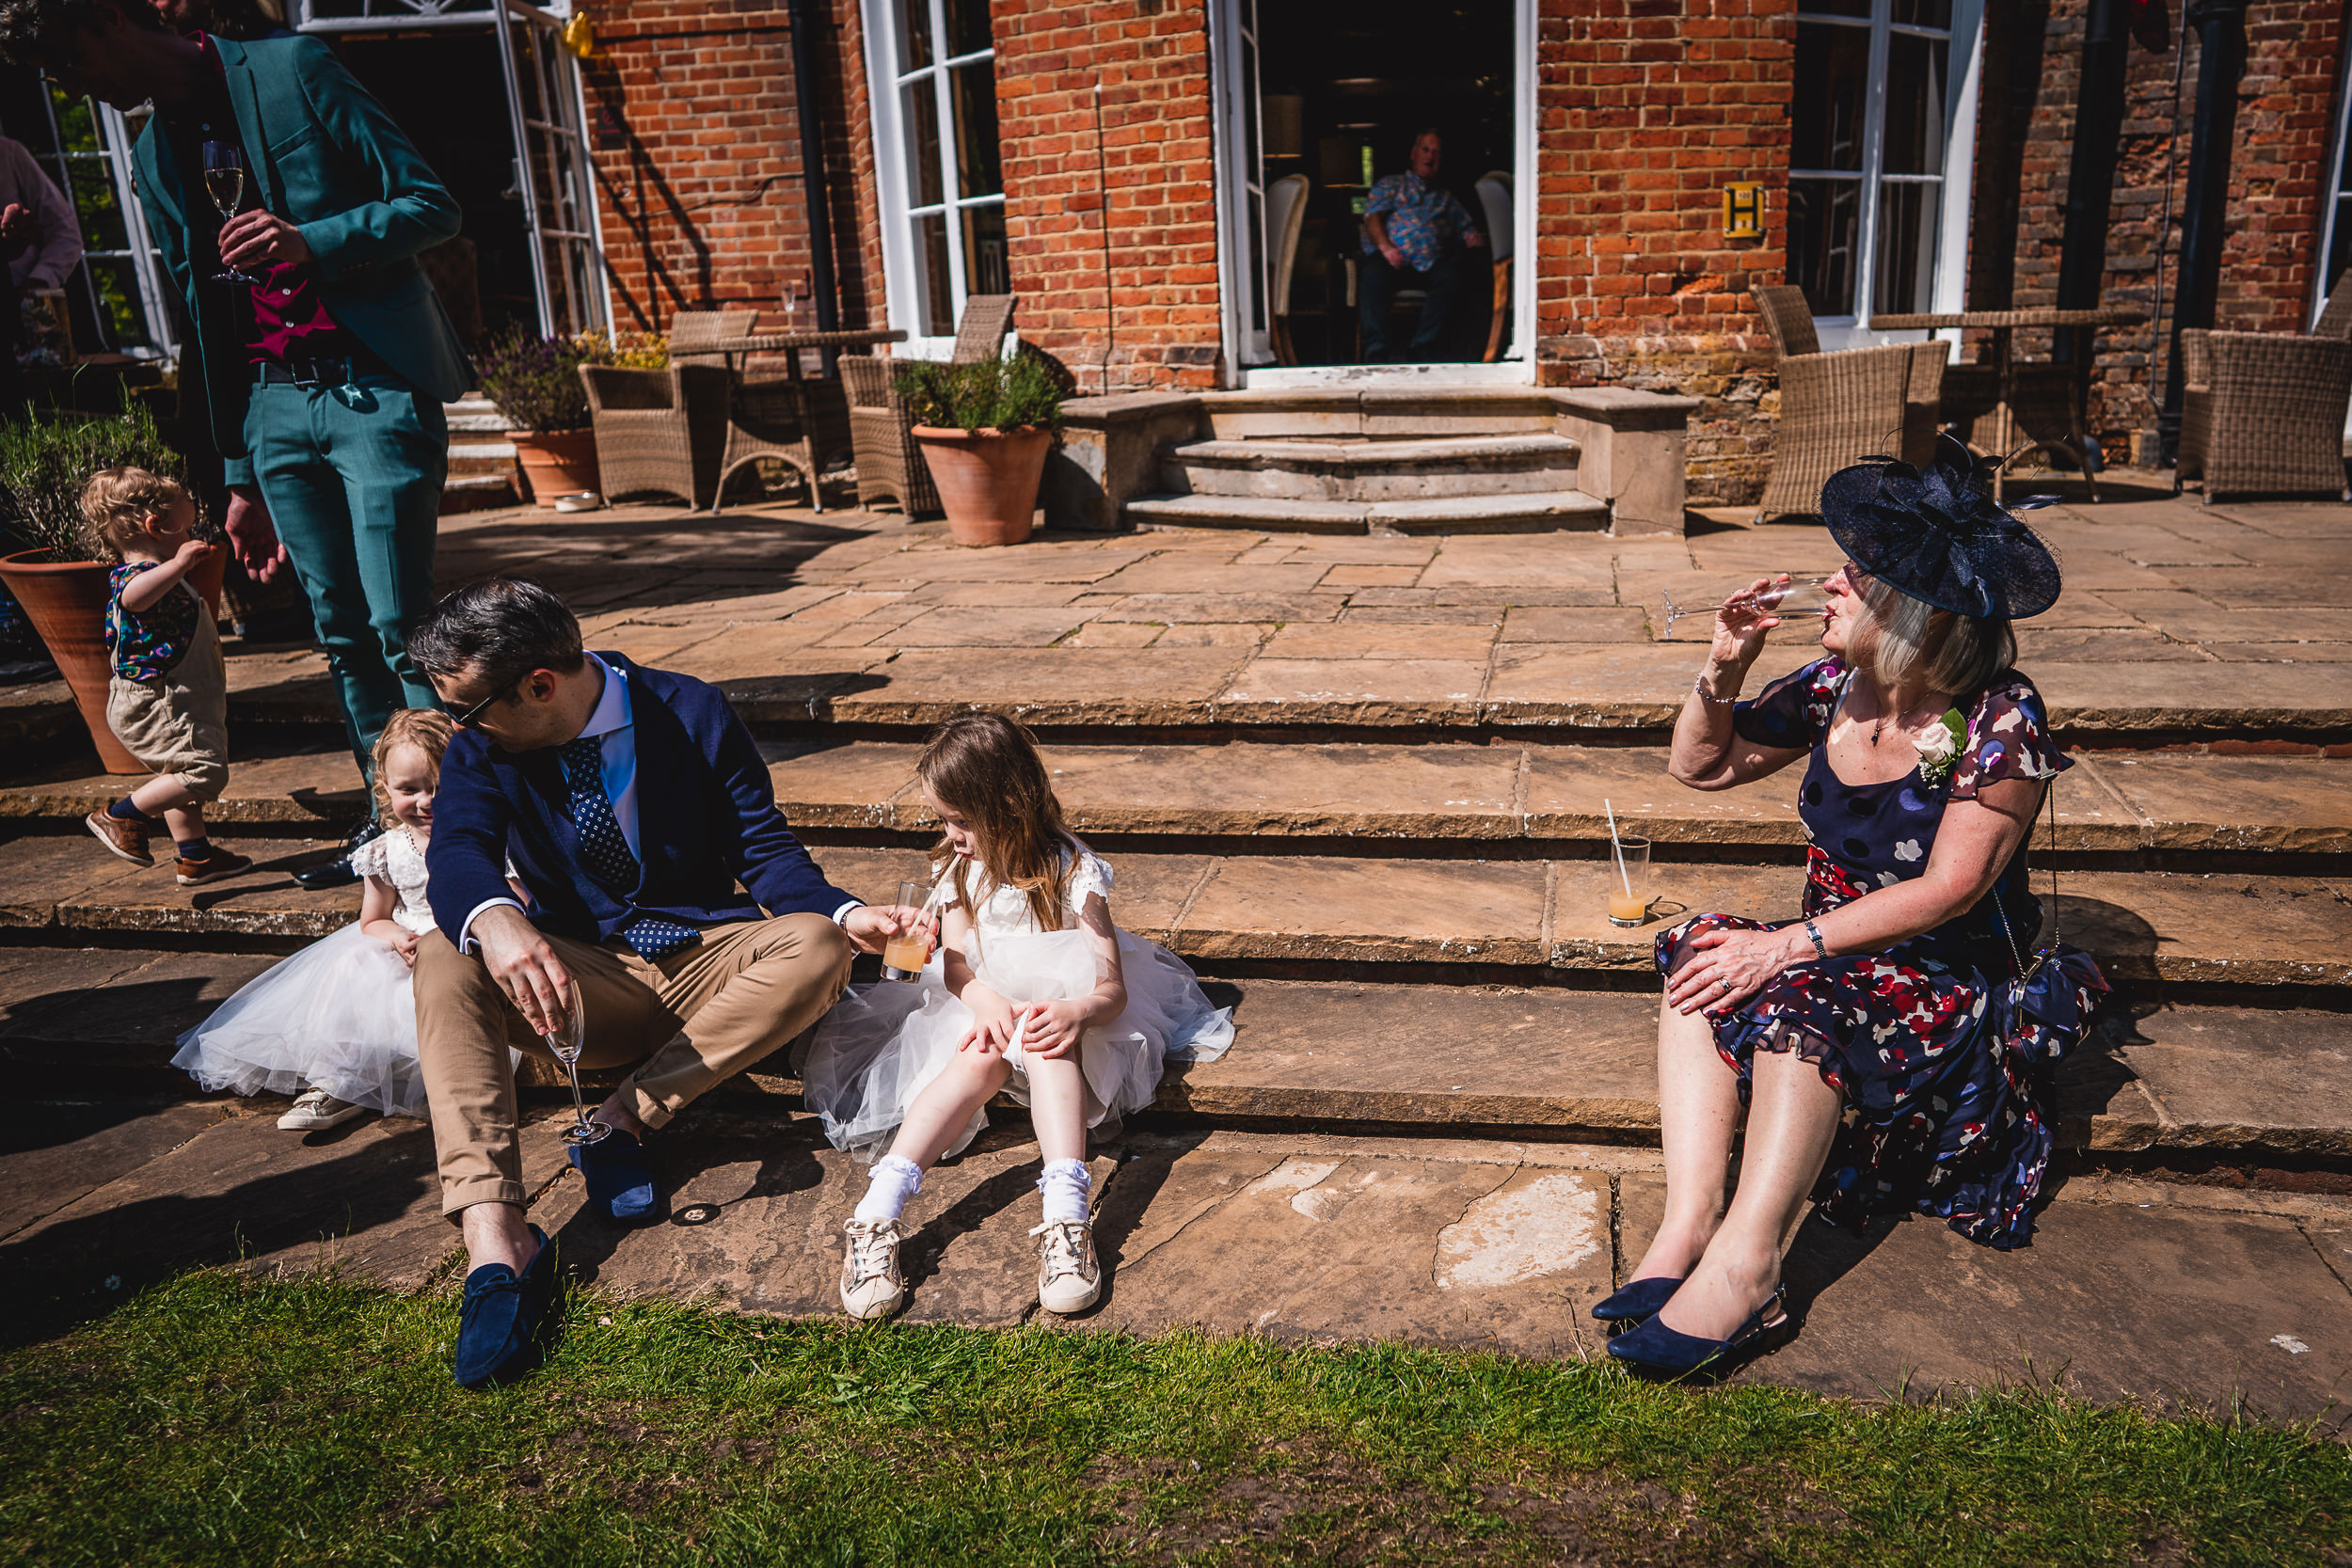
(1873, 836)
(148, 644)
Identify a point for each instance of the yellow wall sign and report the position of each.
(1743, 211)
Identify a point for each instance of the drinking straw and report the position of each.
(1615, 848)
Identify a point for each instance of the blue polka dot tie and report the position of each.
(606, 850)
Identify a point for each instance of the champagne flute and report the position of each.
(566, 1041)
(1789, 595)
(224, 181)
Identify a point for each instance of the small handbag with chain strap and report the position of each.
(2044, 1009)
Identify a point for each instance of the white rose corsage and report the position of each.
(1939, 748)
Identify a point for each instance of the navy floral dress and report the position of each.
(1942, 1079)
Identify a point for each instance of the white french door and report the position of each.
(1243, 177)
(551, 169)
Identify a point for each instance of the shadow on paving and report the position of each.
(765, 552)
(82, 1262)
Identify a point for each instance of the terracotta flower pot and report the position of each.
(66, 601)
(987, 479)
(556, 461)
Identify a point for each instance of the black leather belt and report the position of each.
(306, 373)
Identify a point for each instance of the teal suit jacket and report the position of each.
(325, 157)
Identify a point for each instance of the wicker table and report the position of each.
(2036, 399)
(800, 421)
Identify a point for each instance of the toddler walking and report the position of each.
(168, 698)
(336, 1024)
(1032, 991)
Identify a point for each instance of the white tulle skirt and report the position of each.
(882, 1044)
(340, 1016)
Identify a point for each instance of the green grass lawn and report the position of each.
(224, 1420)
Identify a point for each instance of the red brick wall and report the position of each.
(698, 158)
(1159, 328)
(2279, 162)
(1646, 109)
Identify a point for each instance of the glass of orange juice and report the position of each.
(1629, 889)
(904, 956)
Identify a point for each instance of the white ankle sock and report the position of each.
(1064, 1182)
(895, 1181)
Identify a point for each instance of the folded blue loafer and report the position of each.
(1661, 1352)
(499, 1323)
(619, 1181)
(1640, 1299)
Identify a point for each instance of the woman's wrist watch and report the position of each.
(1820, 948)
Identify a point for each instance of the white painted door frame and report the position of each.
(1232, 253)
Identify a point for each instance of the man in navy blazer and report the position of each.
(630, 803)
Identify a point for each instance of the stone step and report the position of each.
(1326, 916)
(1380, 413)
(1517, 511)
(2173, 811)
(478, 492)
(473, 415)
(2245, 1086)
(1380, 470)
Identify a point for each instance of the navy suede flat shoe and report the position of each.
(499, 1323)
(1661, 1352)
(1640, 1299)
(619, 1181)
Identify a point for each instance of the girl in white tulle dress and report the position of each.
(336, 1024)
(1031, 990)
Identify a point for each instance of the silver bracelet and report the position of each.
(1820, 948)
(1697, 685)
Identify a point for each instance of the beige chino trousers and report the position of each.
(689, 1019)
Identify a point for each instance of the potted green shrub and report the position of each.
(984, 430)
(46, 554)
(534, 382)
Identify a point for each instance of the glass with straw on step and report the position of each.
(1629, 893)
(905, 955)
(1788, 596)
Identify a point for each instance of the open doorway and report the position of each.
(1342, 92)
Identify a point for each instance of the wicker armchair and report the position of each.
(889, 465)
(1837, 409)
(2262, 413)
(659, 430)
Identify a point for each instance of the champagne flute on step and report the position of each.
(1789, 594)
(224, 181)
(566, 1041)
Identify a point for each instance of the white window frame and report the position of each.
(1963, 72)
(2336, 203)
(1515, 368)
(903, 272)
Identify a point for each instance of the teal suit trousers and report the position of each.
(351, 476)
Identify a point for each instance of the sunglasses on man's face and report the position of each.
(465, 720)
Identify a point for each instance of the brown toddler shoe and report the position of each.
(127, 840)
(215, 864)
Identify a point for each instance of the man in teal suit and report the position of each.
(324, 378)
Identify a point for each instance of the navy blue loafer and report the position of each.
(499, 1323)
(1640, 1299)
(1654, 1349)
(619, 1181)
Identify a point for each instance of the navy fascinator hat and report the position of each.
(1937, 534)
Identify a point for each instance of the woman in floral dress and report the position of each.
(1871, 1042)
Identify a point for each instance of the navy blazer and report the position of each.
(707, 818)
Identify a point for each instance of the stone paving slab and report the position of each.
(2113, 802)
(2177, 1296)
(2183, 926)
(363, 1197)
(2174, 1307)
(756, 1211)
(1338, 1053)
(2162, 629)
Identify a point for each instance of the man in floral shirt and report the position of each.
(1414, 234)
